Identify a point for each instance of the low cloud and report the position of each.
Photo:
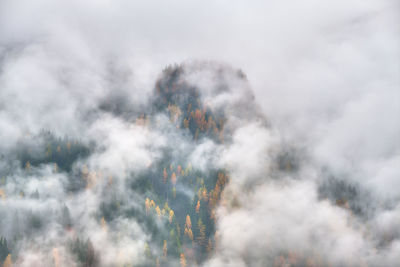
(302, 140)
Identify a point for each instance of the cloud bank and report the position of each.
(306, 131)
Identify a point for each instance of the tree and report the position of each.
(56, 257)
(165, 175)
(179, 169)
(198, 206)
(152, 204)
(28, 166)
(3, 194)
(165, 249)
(158, 211)
(7, 262)
(147, 204)
(85, 253)
(205, 196)
(91, 257)
(173, 178)
(147, 250)
(103, 224)
(66, 221)
(209, 245)
(189, 233)
(4, 250)
(188, 222)
(171, 216)
(186, 123)
(183, 260)
(174, 192)
(202, 232)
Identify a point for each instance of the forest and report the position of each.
(174, 202)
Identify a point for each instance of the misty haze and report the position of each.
(208, 133)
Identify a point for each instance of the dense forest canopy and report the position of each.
(172, 199)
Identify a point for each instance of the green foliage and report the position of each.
(84, 252)
(46, 148)
(4, 250)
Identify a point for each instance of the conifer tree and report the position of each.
(198, 206)
(173, 178)
(8, 262)
(183, 260)
(171, 216)
(165, 175)
(202, 232)
(147, 204)
(165, 249)
(28, 166)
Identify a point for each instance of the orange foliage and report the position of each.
(165, 175)
(198, 206)
(173, 178)
(103, 224)
(178, 169)
(158, 211)
(147, 205)
(188, 222)
(183, 260)
(171, 216)
(56, 257)
(165, 248)
(8, 262)
(3, 194)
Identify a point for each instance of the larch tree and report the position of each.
(179, 169)
(165, 175)
(171, 216)
(165, 249)
(158, 211)
(173, 178)
(183, 260)
(147, 204)
(202, 232)
(56, 257)
(3, 195)
(198, 206)
(188, 222)
(28, 166)
(103, 224)
(189, 233)
(8, 262)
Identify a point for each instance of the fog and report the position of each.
(305, 99)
